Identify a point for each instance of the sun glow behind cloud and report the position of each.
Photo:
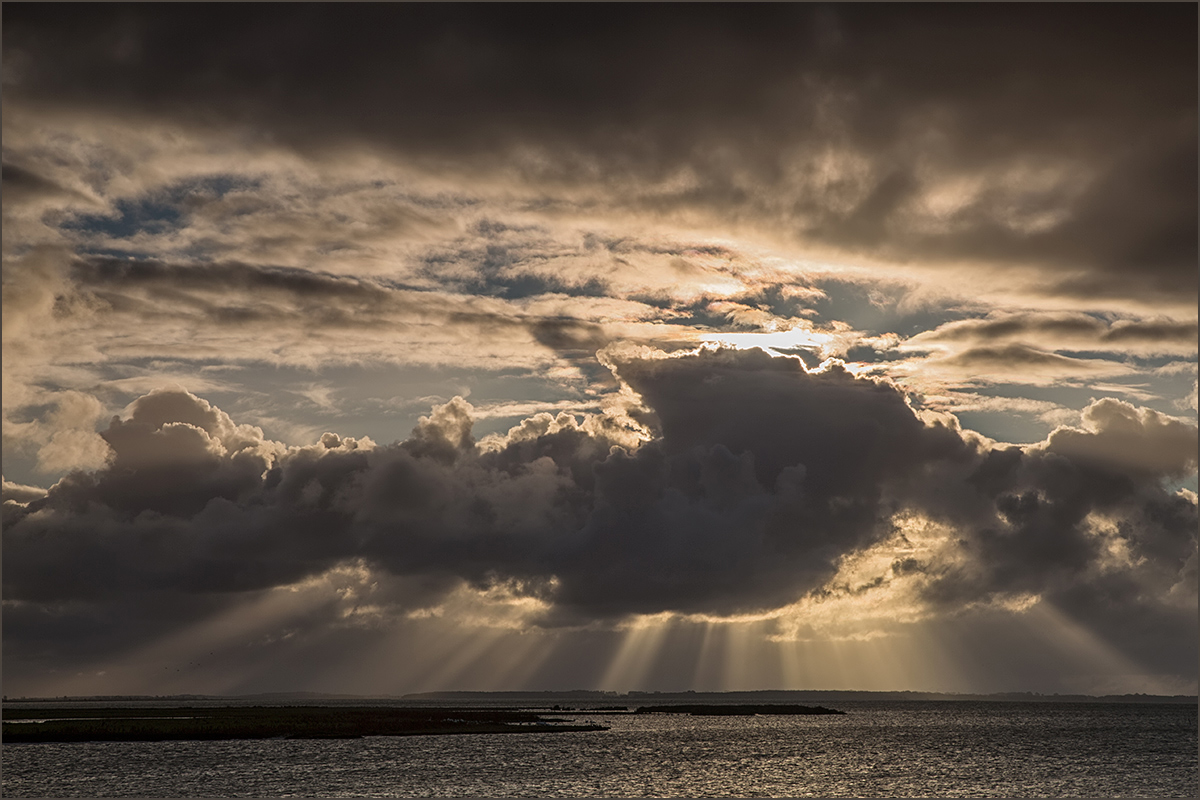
(799, 337)
(503, 413)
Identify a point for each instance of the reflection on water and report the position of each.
(930, 749)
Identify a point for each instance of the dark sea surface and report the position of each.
(878, 749)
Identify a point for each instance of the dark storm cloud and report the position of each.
(1134, 224)
(402, 70)
(761, 477)
(744, 98)
(750, 401)
(746, 514)
(1085, 522)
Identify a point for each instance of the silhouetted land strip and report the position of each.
(730, 710)
(526, 699)
(781, 696)
(257, 722)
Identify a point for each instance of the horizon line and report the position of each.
(601, 694)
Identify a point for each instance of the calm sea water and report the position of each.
(917, 749)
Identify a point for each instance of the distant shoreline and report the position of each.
(796, 695)
(631, 698)
(32, 724)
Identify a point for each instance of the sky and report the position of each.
(387, 348)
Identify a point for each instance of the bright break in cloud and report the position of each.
(382, 348)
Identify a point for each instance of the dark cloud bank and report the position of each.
(760, 477)
(1103, 96)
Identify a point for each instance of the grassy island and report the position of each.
(264, 722)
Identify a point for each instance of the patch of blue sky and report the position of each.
(159, 211)
(21, 467)
(1013, 427)
(496, 276)
(1159, 362)
(877, 308)
(1190, 483)
(132, 217)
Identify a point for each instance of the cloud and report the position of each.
(1084, 524)
(1086, 173)
(299, 310)
(735, 483)
(1007, 363)
(762, 476)
(1152, 332)
(63, 438)
(23, 186)
(569, 335)
(552, 502)
(340, 236)
(465, 193)
(1063, 331)
(1176, 368)
(1116, 435)
(957, 402)
(223, 277)
(43, 314)
(1022, 357)
(19, 493)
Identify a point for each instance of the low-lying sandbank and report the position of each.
(266, 722)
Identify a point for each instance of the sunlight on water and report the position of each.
(918, 749)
